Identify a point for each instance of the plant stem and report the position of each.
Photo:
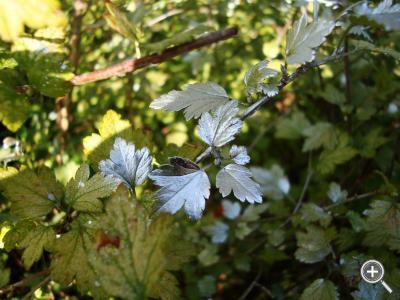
(133, 64)
(24, 282)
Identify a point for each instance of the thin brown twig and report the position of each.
(133, 64)
(38, 286)
(24, 282)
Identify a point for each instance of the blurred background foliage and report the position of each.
(243, 251)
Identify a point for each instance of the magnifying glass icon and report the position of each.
(372, 271)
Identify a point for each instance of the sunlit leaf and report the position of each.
(386, 13)
(195, 99)
(237, 179)
(98, 145)
(14, 108)
(126, 164)
(183, 184)
(32, 195)
(218, 129)
(257, 74)
(139, 265)
(84, 193)
(15, 14)
(239, 155)
(303, 38)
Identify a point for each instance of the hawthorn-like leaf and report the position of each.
(195, 99)
(314, 245)
(269, 89)
(253, 212)
(139, 264)
(311, 212)
(231, 210)
(32, 195)
(183, 184)
(367, 291)
(361, 31)
(127, 165)
(257, 74)
(273, 182)
(386, 13)
(218, 232)
(358, 44)
(303, 38)
(292, 128)
(14, 108)
(97, 146)
(329, 159)
(32, 237)
(320, 289)
(320, 135)
(70, 259)
(221, 128)
(382, 225)
(239, 155)
(237, 179)
(84, 193)
(335, 193)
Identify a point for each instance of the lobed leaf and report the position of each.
(221, 128)
(237, 179)
(196, 99)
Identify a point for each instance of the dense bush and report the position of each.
(145, 157)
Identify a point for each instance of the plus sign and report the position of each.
(372, 271)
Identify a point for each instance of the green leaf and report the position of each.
(15, 14)
(44, 60)
(335, 193)
(32, 195)
(14, 108)
(7, 61)
(207, 286)
(32, 237)
(97, 146)
(292, 128)
(320, 289)
(359, 44)
(256, 75)
(333, 95)
(84, 194)
(70, 255)
(371, 142)
(329, 159)
(319, 135)
(311, 212)
(252, 212)
(179, 38)
(313, 245)
(367, 291)
(148, 250)
(4, 275)
(126, 24)
(383, 223)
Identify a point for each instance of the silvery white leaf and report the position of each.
(274, 183)
(237, 178)
(335, 193)
(182, 184)
(385, 13)
(218, 232)
(360, 31)
(303, 38)
(221, 128)
(195, 99)
(231, 210)
(126, 164)
(239, 155)
(257, 75)
(269, 89)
